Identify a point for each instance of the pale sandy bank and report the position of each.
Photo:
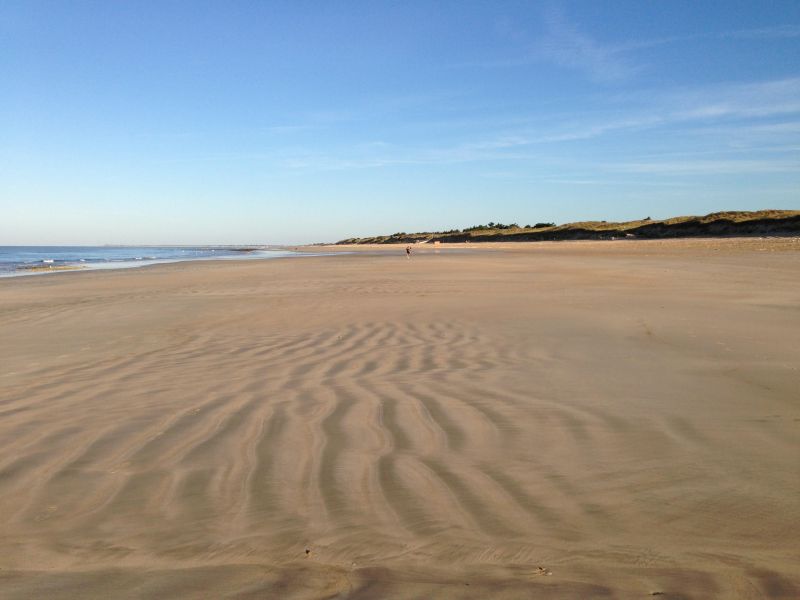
(571, 420)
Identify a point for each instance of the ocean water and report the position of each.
(37, 260)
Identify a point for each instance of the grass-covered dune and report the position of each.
(719, 224)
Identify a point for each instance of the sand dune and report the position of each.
(551, 421)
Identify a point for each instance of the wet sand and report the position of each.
(547, 420)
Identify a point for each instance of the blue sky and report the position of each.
(291, 122)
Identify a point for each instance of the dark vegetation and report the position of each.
(721, 224)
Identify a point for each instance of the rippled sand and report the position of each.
(573, 420)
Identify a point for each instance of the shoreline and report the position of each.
(740, 243)
(43, 268)
(715, 245)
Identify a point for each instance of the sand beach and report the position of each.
(531, 420)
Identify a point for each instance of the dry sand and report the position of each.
(571, 420)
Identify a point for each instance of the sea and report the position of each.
(41, 260)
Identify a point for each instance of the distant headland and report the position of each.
(719, 224)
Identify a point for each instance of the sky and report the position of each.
(292, 122)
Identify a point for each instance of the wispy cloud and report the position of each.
(614, 182)
(772, 33)
(779, 32)
(249, 132)
(734, 113)
(479, 151)
(741, 106)
(569, 47)
(737, 117)
(566, 44)
(707, 167)
(597, 128)
(760, 99)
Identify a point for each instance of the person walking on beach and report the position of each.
(408, 252)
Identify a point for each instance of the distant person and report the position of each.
(408, 252)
